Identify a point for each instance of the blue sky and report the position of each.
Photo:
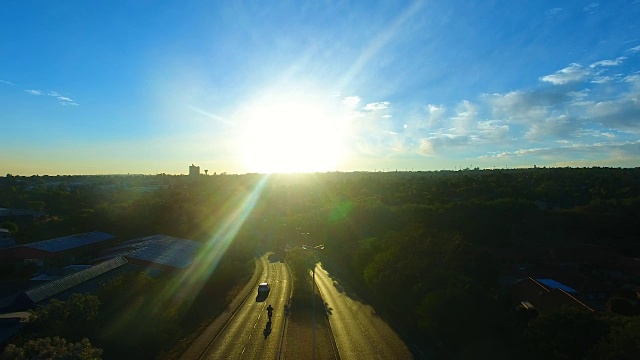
(236, 87)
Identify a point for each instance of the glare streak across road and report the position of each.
(247, 335)
(358, 331)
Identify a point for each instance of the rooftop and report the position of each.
(70, 242)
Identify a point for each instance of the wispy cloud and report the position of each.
(615, 62)
(63, 100)
(553, 11)
(561, 153)
(6, 82)
(572, 73)
(375, 106)
(635, 78)
(634, 49)
(351, 101)
(591, 7)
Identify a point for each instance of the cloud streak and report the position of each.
(572, 73)
(62, 100)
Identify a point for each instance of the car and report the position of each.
(263, 288)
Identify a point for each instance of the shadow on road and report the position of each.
(327, 308)
(267, 330)
(262, 297)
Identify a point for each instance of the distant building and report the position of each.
(194, 170)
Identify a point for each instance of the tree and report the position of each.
(566, 333)
(11, 226)
(72, 319)
(52, 349)
(622, 342)
(621, 306)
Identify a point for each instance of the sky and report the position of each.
(148, 87)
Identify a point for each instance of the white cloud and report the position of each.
(465, 118)
(559, 126)
(381, 105)
(493, 129)
(596, 133)
(525, 107)
(436, 114)
(579, 94)
(602, 79)
(632, 78)
(584, 152)
(572, 73)
(351, 101)
(6, 82)
(620, 113)
(615, 62)
(64, 100)
(433, 145)
(634, 49)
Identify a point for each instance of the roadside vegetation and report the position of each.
(415, 243)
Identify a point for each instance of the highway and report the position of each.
(358, 331)
(248, 334)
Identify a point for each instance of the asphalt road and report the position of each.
(358, 332)
(249, 334)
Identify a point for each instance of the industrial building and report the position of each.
(64, 247)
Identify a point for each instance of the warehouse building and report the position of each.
(67, 247)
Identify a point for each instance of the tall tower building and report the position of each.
(194, 171)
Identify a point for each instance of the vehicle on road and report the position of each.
(263, 288)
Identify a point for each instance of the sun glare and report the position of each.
(293, 135)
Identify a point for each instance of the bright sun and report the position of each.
(296, 135)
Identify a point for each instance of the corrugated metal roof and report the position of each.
(161, 249)
(70, 242)
(52, 288)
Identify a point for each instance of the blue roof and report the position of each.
(70, 242)
(160, 249)
(555, 285)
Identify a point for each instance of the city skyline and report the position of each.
(133, 87)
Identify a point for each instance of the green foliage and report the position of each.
(456, 315)
(11, 226)
(567, 333)
(621, 306)
(622, 342)
(73, 319)
(52, 349)
(301, 262)
(137, 320)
